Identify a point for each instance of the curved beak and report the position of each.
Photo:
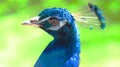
(32, 21)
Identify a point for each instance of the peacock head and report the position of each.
(55, 21)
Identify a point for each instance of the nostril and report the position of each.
(32, 21)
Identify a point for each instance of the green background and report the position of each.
(20, 46)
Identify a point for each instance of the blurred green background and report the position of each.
(20, 46)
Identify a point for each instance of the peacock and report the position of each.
(64, 50)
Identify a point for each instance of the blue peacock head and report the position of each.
(55, 21)
(58, 22)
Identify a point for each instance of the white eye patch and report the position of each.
(57, 27)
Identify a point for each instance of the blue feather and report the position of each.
(98, 13)
(64, 50)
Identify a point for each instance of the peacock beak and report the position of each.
(32, 22)
(35, 21)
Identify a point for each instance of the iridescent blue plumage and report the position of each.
(98, 13)
(64, 50)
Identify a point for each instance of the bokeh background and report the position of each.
(20, 46)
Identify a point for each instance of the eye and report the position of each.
(53, 21)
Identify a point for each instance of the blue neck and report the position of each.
(71, 40)
(68, 34)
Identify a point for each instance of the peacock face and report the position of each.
(52, 23)
(55, 21)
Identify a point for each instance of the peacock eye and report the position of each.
(53, 21)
